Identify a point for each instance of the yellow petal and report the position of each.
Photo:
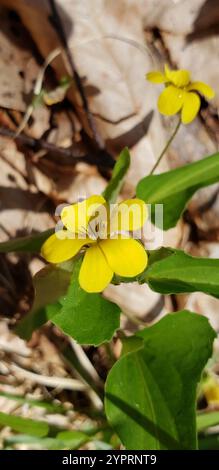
(95, 273)
(76, 216)
(130, 214)
(202, 88)
(58, 248)
(179, 78)
(191, 107)
(126, 257)
(156, 77)
(170, 100)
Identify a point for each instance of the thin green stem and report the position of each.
(166, 147)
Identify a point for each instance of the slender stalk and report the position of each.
(166, 147)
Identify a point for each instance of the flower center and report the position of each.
(97, 230)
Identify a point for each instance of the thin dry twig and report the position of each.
(85, 362)
(11, 348)
(41, 144)
(54, 382)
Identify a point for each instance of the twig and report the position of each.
(11, 348)
(85, 362)
(88, 374)
(57, 23)
(54, 382)
(41, 144)
(78, 364)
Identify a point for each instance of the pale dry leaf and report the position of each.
(205, 305)
(22, 208)
(86, 181)
(180, 17)
(14, 58)
(134, 299)
(112, 67)
(189, 29)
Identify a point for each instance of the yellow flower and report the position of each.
(107, 250)
(180, 93)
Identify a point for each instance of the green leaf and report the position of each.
(206, 419)
(49, 407)
(31, 243)
(174, 188)
(88, 318)
(171, 271)
(131, 343)
(152, 391)
(73, 439)
(209, 442)
(50, 284)
(24, 425)
(177, 272)
(69, 440)
(120, 169)
(64, 440)
(49, 443)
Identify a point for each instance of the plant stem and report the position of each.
(166, 147)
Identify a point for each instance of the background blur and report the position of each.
(67, 150)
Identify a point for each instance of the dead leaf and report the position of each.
(18, 70)
(112, 65)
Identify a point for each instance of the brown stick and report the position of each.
(41, 144)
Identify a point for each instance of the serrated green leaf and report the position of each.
(88, 318)
(152, 391)
(31, 243)
(175, 188)
(50, 284)
(24, 425)
(119, 171)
